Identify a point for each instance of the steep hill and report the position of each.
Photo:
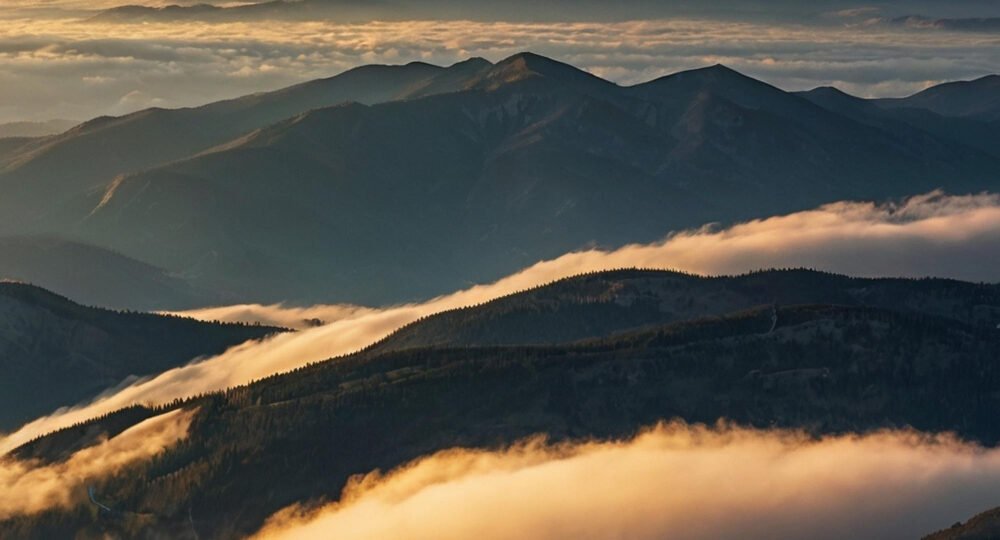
(54, 352)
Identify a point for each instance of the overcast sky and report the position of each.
(64, 59)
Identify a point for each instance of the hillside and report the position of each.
(54, 352)
(976, 99)
(826, 368)
(534, 159)
(608, 303)
(52, 182)
(97, 276)
(976, 131)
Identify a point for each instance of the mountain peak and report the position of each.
(720, 68)
(718, 79)
(528, 65)
(716, 72)
(473, 62)
(829, 92)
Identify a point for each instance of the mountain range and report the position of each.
(423, 179)
(595, 356)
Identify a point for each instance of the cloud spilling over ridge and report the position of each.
(928, 235)
(931, 235)
(673, 481)
(296, 318)
(26, 488)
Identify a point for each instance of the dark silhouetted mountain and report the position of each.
(96, 276)
(432, 178)
(978, 99)
(825, 368)
(54, 352)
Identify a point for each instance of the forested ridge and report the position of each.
(926, 359)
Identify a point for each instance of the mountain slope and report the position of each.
(299, 436)
(978, 99)
(473, 185)
(535, 159)
(54, 352)
(432, 178)
(974, 132)
(609, 303)
(60, 173)
(96, 276)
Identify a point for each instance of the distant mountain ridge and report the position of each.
(422, 179)
(978, 99)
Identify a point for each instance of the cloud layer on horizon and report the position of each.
(68, 67)
(673, 481)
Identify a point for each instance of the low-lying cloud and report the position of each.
(27, 487)
(929, 235)
(673, 481)
(296, 318)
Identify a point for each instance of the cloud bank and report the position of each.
(296, 318)
(28, 488)
(673, 481)
(928, 235)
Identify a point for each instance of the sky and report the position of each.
(74, 59)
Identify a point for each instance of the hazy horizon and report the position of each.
(64, 59)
